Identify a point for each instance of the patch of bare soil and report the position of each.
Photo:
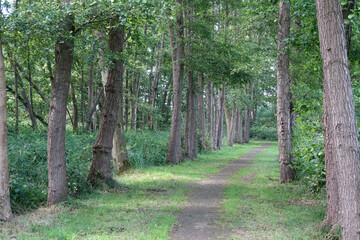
(197, 220)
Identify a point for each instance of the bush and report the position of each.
(146, 148)
(263, 133)
(28, 166)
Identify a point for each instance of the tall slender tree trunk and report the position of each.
(283, 95)
(89, 115)
(75, 109)
(240, 139)
(202, 125)
(58, 189)
(100, 170)
(209, 113)
(174, 154)
(342, 140)
(232, 127)
(247, 125)
(221, 117)
(126, 100)
(216, 118)
(5, 208)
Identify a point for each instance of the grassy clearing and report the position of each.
(257, 206)
(144, 208)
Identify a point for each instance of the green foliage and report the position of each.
(147, 148)
(264, 127)
(263, 133)
(28, 166)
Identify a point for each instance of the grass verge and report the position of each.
(143, 208)
(257, 206)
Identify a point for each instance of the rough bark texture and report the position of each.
(202, 127)
(221, 117)
(58, 189)
(283, 95)
(100, 170)
(209, 114)
(5, 209)
(190, 120)
(119, 151)
(238, 127)
(174, 154)
(340, 120)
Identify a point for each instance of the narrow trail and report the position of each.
(197, 219)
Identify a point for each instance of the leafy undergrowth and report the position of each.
(257, 206)
(144, 207)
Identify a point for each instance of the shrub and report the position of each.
(263, 133)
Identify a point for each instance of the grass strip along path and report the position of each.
(150, 201)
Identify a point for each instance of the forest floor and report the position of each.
(220, 195)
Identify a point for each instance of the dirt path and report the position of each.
(197, 219)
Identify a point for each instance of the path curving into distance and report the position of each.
(197, 219)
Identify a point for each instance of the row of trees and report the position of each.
(128, 60)
(341, 139)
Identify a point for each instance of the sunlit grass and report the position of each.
(145, 207)
(257, 206)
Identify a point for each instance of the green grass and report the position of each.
(145, 207)
(257, 206)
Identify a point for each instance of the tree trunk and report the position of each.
(216, 118)
(232, 127)
(283, 95)
(58, 189)
(209, 114)
(82, 98)
(174, 154)
(240, 127)
(5, 208)
(228, 121)
(221, 117)
(90, 95)
(119, 152)
(100, 170)
(75, 108)
(202, 127)
(190, 121)
(247, 125)
(126, 100)
(340, 124)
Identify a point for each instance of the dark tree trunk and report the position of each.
(283, 95)
(75, 109)
(347, 10)
(5, 208)
(90, 95)
(247, 125)
(209, 113)
(100, 170)
(341, 143)
(190, 121)
(58, 189)
(174, 154)
(221, 117)
(202, 127)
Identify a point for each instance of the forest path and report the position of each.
(197, 219)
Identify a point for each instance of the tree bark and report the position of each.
(5, 208)
(239, 128)
(232, 127)
(283, 95)
(174, 154)
(126, 100)
(100, 171)
(75, 108)
(247, 125)
(340, 124)
(202, 127)
(216, 118)
(209, 113)
(221, 117)
(58, 189)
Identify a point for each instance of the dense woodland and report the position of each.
(90, 89)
